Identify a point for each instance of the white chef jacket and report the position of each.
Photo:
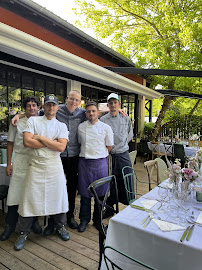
(94, 139)
(44, 190)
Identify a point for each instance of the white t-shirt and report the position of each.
(15, 134)
(94, 139)
(51, 129)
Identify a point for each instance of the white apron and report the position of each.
(44, 192)
(20, 167)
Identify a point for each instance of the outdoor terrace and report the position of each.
(80, 252)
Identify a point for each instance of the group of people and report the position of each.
(67, 141)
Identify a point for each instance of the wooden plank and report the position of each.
(60, 248)
(11, 262)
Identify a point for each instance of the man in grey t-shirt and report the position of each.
(123, 134)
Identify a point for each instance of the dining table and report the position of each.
(190, 151)
(157, 246)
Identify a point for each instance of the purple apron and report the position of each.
(89, 171)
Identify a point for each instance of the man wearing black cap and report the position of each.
(44, 192)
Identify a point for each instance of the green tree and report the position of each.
(153, 34)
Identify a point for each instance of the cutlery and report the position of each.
(145, 219)
(184, 234)
(190, 231)
(141, 208)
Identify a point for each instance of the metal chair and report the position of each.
(133, 155)
(102, 206)
(150, 166)
(110, 255)
(162, 170)
(3, 195)
(131, 184)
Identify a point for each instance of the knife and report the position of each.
(190, 231)
(184, 234)
(145, 219)
(140, 208)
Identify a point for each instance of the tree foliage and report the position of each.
(153, 34)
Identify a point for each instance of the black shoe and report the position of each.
(107, 213)
(71, 222)
(82, 226)
(50, 228)
(20, 243)
(36, 228)
(63, 233)
(6, 233)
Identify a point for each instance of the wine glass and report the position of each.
(162, 192)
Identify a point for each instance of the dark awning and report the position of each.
(164, 72)
(177, 93)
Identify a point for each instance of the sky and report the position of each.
(63, 8)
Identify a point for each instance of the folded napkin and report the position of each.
(165, 226)
(148, 203)
(199, 219)
(166, 185)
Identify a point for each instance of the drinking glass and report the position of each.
(162, 192)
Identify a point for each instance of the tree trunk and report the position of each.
(166, 103)
(194, 108)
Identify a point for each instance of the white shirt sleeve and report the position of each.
(11, 133)
(29, 125)
(64, 133)
(109, 140)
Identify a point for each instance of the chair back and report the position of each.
(133, 155)
(3, 156)
(162, 170)
(3, 195)
(144, 147)
(178, 150)
(150, 166)
(200, 143)
(156, 150)
(113, 257)
(129, 177)
(102, 206)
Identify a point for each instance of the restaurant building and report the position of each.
(40, 54)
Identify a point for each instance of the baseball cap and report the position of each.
(51, 98)
(113, 95)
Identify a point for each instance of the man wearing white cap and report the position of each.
(44, 191)
(123, 134)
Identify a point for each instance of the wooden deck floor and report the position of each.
(80, 252)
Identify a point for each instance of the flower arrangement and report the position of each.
(175, 172)
(195, 162)
(190, 175)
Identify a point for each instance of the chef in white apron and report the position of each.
(18, 169)
(44, 192)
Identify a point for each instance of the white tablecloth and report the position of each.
(161, 250)
(189, 151)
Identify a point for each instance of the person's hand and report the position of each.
(15, 120)
(123, 112)
(9, 170)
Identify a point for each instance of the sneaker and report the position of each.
(6, 233)
(50, 228)
(63, 233)
(36, 228)
(20, 243)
